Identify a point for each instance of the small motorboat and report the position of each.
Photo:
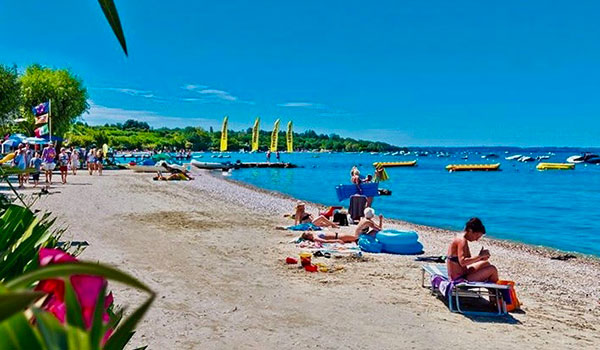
(489, 156)
(210, 165)
(525, 159)
(575, 159)
(542, 157)
(515, 157)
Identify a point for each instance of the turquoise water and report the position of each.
(557, 209)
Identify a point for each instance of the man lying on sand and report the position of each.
(328, 237)
(461, 264)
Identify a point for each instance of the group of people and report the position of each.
(460, 262)
(277, 156)
(27, 158)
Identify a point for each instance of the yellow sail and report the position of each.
(289, 138)
(223, 147)
(255, 134)
(275, 136)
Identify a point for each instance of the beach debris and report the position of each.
(290, 260)
(563, 257)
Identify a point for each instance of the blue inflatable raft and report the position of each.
(368, 189)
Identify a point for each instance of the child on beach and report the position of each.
(63, 164)
(36, 164)
(461, 264)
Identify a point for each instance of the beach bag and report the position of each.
(514, 303)
(341, 218)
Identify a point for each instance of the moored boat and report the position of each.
(555, 166)
(394, 164)
(210, 165)
(473, 167)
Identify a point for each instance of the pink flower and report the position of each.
(87, 289)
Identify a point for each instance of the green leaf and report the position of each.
(98, 329)
(13, 302)
(53, 333)
(74, 314)
(78, 339)
(17, 333)
(78, 268)
(110, 12)
(122, 335)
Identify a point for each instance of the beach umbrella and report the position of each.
(36, 141)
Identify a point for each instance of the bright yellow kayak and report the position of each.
(394, 164)
(555, 166)
(473, 167)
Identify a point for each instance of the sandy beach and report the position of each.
(210, 249)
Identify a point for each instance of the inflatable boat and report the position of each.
(394, 164)
(473, 167)
(555, 166)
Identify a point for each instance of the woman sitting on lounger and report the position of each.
(367, 225)
(302, 217)
(328, 237)
(461, 264)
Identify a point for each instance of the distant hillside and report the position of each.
(139, 135)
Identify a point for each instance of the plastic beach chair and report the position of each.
(329, 212)
(465, 289)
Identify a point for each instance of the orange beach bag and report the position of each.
(514, 301)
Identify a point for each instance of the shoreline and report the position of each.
(210, 250)
(540, 250)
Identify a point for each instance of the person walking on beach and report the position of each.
(99, 159)
(74, 160)
(91, 161)
(36, 164)
(20, 162)
(63, 164)
(460, 262)
(48, 155)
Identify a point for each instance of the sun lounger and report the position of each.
(453, 291)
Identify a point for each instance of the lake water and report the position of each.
(558, 209)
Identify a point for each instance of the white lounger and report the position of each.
(465, 289)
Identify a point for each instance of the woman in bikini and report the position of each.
(328, 237)
(461, 264)
(302, 217)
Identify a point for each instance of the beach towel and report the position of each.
(309, 226)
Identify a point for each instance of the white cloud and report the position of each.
(296, 104)
(101, 115)
(192, 87)
(219, 94)
(132, 92)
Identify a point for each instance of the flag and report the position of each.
(274, 136)
(255, 134)
(42, 119)
(223, 146)
(40, 109)
(289, 139)
(42, 130)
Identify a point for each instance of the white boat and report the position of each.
(515, 157)
(209, 165)
(575, 159)
(526, 159)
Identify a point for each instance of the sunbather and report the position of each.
(172, 177)
(328, 237)
(302, 217)
(461, 264)
(367, 225)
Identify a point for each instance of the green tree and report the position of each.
(65, 90)
(10, 98)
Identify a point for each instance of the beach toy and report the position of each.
(305, 259)
(399, 242)
(290, 260)
(367, 189)
(555, 166)
(394, 164)
(369, 244)
(311, 268)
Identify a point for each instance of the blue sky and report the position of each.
(409, 73)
